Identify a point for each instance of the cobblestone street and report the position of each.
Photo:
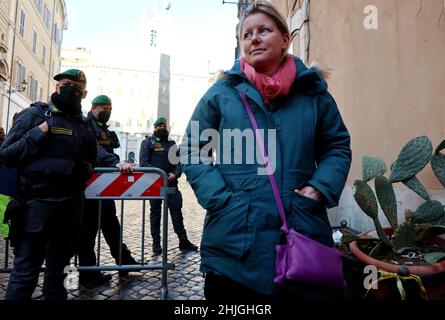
(184, 283)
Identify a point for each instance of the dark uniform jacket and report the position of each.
(154, 153)
(52, 166)
(107, 141)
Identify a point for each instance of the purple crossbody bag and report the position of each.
(300, 262)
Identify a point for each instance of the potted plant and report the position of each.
(414, 249)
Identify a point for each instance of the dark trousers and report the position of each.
(175, 208)
(110, 229)
(55, 240)
(218, 288)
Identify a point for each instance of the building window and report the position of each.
(131, 157)
(34, 42)
(22, 22)
(47, 17)
(33, 87)
(21, 72)
(57, 36)
(153, 35)
(43, 54)
(38, 4)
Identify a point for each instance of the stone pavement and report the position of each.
(184, 283)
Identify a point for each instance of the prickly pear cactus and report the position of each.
(387, 199)
(429, 212)
(414, 184)
(365, 198)
(429, 218)
(372, 167)
(414, 156)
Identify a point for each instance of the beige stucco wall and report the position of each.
(388, 82)
(22, 51)
(4, 26)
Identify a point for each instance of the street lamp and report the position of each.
(243, 3)
(242, 6)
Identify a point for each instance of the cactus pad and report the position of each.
(415, 185)
(365, 198)
(372, 167)
(440, 147)
(428, 212)
(438, 165)
(414, 156)
(387, 199)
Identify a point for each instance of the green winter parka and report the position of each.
(308, 144)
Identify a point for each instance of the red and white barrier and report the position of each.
(123, 185)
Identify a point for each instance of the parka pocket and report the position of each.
(226, 230)
(309, 217)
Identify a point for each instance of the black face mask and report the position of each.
(162, 133)
(68, 101)
(104, 116)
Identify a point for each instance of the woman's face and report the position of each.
(263, 43)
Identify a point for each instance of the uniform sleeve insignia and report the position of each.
(105, 142)
(61, 131)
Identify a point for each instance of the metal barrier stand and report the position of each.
(95, 191)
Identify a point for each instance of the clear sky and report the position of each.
(203, 30)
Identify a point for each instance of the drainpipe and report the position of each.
(50, 60)
(305, 33)
(299, 24)
(12, 66)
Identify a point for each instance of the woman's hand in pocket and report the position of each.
(310, 192)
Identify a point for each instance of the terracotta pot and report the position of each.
(390, 267)
(432, 275)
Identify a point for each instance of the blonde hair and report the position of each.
(262, 6)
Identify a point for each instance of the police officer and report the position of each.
(107, 141)
(57, 150)
(154, 153)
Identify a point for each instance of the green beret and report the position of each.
(160, 121)
(72, 74)
(101, 100)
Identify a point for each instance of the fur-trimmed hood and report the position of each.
(309, 80)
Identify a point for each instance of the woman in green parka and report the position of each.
(308, 146)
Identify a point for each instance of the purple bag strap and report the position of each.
(269, 170)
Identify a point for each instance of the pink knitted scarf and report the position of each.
(276, 85)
